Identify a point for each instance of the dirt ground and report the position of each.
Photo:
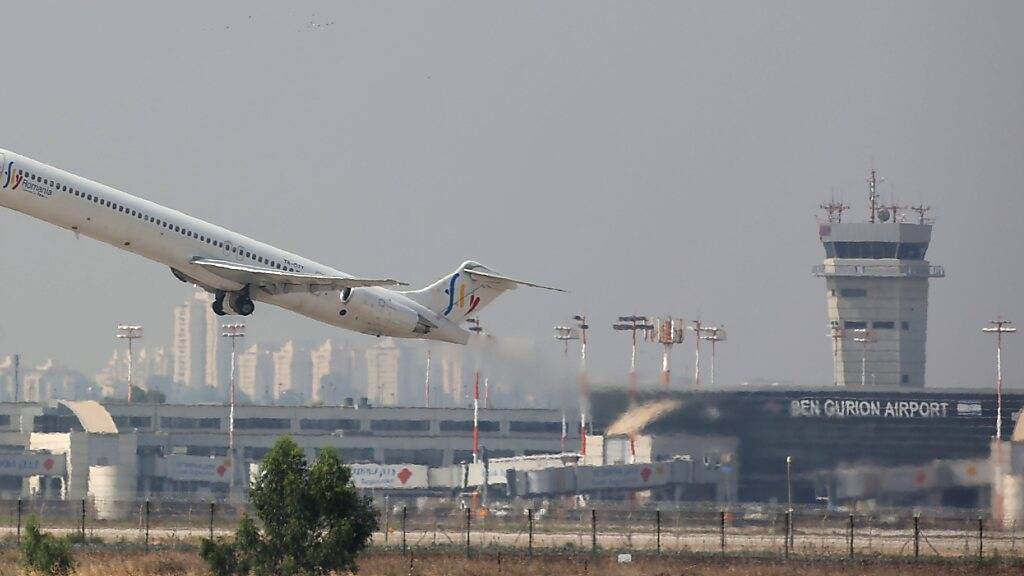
(175, 563)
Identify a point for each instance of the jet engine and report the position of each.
(381, 312)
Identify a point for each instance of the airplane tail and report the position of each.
(466, 291)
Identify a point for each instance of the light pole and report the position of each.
(789, 482)
(477, 329)
(714, 335)
(232, 332)
(698, 330)
(836, 334)
(865, 337)
(129, 333)
(426, 381)
(579, 332)
(999, 327)
(633, 324)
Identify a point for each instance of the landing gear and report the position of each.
(237, 303)
(242, 303)
(218, 304)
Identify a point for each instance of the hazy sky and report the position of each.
(656, 157)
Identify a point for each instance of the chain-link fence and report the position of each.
(736, 530)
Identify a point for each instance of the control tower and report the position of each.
(876, 285)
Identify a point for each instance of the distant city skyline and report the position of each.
(659, 159)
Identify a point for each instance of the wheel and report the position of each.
(218, 304)
(243, 305)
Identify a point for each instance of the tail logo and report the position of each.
(472, 299)
(9, 175)
(451, 293)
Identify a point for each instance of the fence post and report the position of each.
(917, 536)
(851, 536)
(213, 510)
(405, 514)
(657, 529)
(83, 519)
(785, 546)
(19, 521)
(721, 522)
(593, 531)
(529, 519)
(147, 524)
(981, 539)
(469, 512)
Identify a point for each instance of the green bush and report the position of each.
(312, 520)
(45, 554)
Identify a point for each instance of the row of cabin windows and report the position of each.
(145, 217)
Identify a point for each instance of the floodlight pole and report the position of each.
(715, 334)
(632, 324)
(578, 332)
(232, 332)
(865, 338)
(999, 328)
(836, 334)
(129, 333)
(477, 329)
(426, 382)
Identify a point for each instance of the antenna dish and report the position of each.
(883, 215)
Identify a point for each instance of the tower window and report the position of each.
(849, 325)
(904, 379)
(883, 325)
(853, 292)
(905, 325)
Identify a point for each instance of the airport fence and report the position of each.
(598, 528)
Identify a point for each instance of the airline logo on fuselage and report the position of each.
(9, 176)
(462, 300)
(13, 181)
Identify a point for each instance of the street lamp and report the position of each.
(714, 334)
(999, 327)
(129, 333)
(865, 337)
(232, 332)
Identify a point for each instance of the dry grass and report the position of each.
(182, 563)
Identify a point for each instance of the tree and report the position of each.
(312, 520)
(45, 554)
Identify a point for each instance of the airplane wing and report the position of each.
(260, 276)
(505, 282)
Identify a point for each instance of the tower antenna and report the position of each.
(922, 211)
(873, 182)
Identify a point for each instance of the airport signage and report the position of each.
(198, 468)
(386, 476)
(32, 465)
(868, 408)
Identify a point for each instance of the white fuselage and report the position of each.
(174, 239)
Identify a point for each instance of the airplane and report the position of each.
(238, 270)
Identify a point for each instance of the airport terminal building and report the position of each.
(884, 433)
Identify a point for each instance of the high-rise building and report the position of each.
(255, 374)
(196, 343)
(382, 372)
(453, 387)
(51, 381)
(149, 363)
(292, 374)
(333, 368)
(876, 282)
